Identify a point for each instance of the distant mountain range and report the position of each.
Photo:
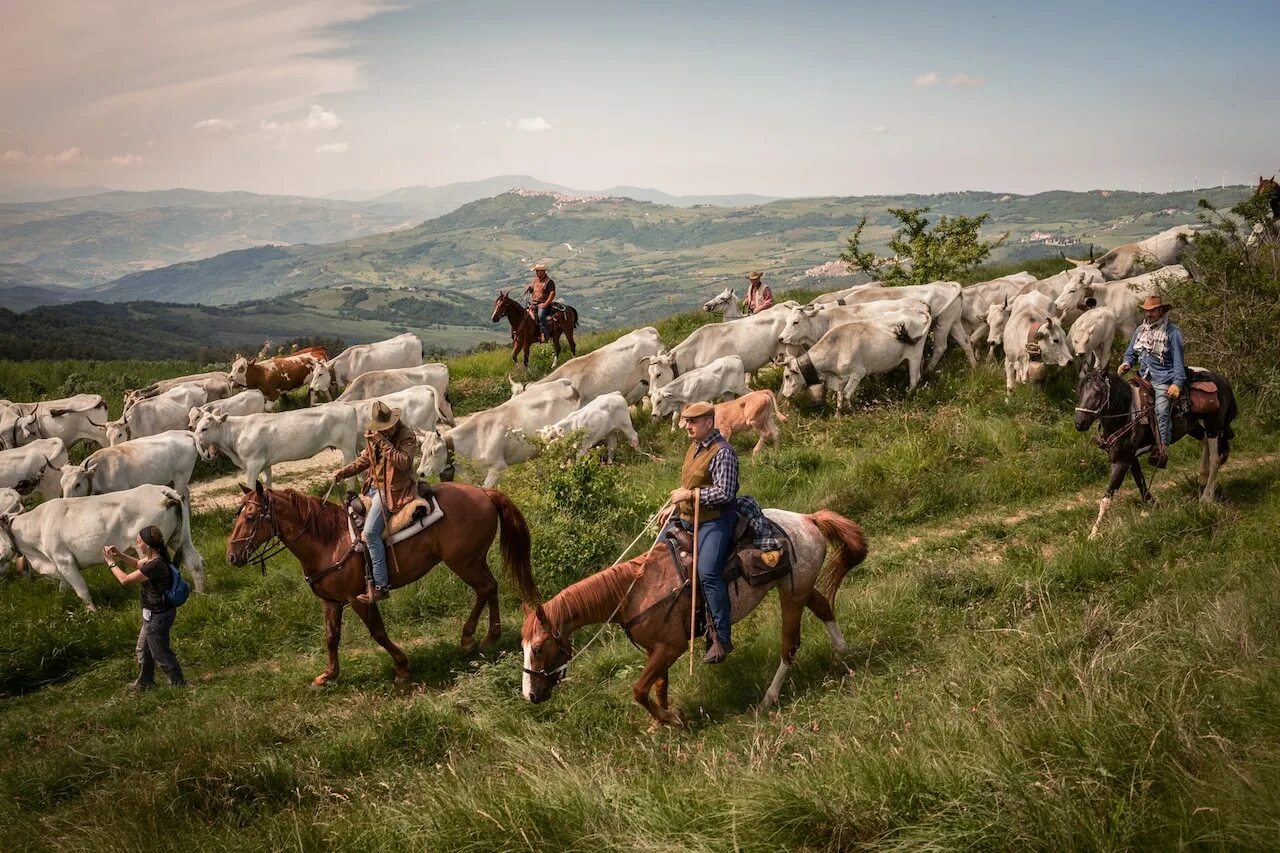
(623, 260)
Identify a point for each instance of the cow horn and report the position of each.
(1090, 253)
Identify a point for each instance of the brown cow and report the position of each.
(756, 411)
(274, 376)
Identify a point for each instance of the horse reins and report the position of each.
(1105, 441)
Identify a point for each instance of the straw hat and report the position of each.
(697, 410)
(381, 418)
(539, 267)
(755, 276)
(1154, 302)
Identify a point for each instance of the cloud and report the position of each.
(966, 81)
(533, 125)
(216, 126)
(317, 120)
(929, 78)
(321, 119)
(70, 155)
(333, 148)
(123, 161)
(13, 157)
(879, 128)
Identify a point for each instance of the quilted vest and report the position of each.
(695, 474)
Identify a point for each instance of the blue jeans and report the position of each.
(1164, 413)
(715, 538)
(544, 312)
(374, 523)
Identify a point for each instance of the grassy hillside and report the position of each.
(623, 261)
(1009, 684)
(446, 322)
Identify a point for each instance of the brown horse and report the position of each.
(315, 531)
(524, 328)
(646, 597)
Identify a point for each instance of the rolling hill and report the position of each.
(624, 260)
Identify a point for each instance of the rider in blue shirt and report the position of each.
(1156, 347)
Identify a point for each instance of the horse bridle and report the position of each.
(273, 545)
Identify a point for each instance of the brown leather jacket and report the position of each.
(389, 461)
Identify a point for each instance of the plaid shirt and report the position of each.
(724, 472)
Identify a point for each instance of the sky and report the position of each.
(312, 97)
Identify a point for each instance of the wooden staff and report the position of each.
(693, 608)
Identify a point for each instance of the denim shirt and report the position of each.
(1167, 371)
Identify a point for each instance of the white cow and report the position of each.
(600, 420)
(946, 307)
(215, 385)
(807, 324)
(754, 339)
(494, 439)
(617, 366)
(1032, 321)
(837, 295)
(166, 458)
(419, 408)
(1052, 287)
(62, 536)
(332, 376)
(851, 351)
(1129, 260)
(1091, 337)
(1124, 297)
(256, 442)
(248, 402)
(977, 298)
(375, 383)
(199, 391)
(34, 467)
(10, 502)
(152, 416)
(722, 378)
(79, 418)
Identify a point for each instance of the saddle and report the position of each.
(1201, 397)
(412, 518)
(746, 561)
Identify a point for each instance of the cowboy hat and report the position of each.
(539, 267)
(381, 417)
(697, 410)
(755, 276)
(1154, 302)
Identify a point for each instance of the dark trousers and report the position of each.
(153, 648)
(715, 539)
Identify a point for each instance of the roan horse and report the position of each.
(525, 331)
(315, 531)
(1124, 431)
(646, 597)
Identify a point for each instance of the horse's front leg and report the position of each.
(372, 618)
(1118, 470)
(655, 671)
(1139, 479)
(332, 639)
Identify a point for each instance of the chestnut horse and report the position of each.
(1268, 188)
(315, 531)
(646, 597)
(525, 331)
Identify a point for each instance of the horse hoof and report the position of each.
(322, 679)
(402, 679)
(467, 645)
(490, 639)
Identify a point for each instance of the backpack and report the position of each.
(179, 590)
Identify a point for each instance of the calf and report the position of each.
(256, 442)
(755, 411)
(166, 458)
(61, 536)
(34, 467)
(1091, 337)
(601, 420)
(851, 351)
(724, 376)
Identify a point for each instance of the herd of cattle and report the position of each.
(140, 475)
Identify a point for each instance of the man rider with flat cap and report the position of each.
(711, 470)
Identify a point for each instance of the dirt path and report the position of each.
(224, 492)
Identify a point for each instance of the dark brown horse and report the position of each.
(1270, 190)
(1124, 432)
(647, 598)
(315, 531)
(524, 327)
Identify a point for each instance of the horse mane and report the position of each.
(329, 521)
(595, 594)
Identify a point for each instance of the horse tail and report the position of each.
(1224, 439)
(851, 550)
(515, 545)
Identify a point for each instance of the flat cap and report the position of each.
(697, 410)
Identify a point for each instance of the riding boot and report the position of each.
(718, 650)
(373, 595)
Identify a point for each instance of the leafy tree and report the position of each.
(922, 253)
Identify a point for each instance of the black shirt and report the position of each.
(155, 585)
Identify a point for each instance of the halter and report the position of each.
(275, 545)
(1135, 418)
